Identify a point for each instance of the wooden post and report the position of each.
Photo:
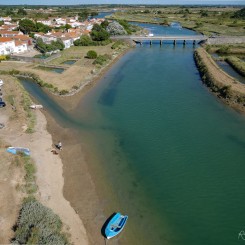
(150, 42)
(174, 42)
(194, 42)
(184, 42)
(160, 42)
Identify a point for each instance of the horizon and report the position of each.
(118, 2)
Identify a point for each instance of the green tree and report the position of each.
(240, 14)
(104, 24)
(98, 33)
(83, 15)
(40, 27)
(21, 11)
(1, 22)
(91, 54)
(27, 26)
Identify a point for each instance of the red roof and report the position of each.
(5, 39)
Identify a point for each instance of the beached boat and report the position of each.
(115, 225)
(1, 82)
(16, 150)
(36, 106)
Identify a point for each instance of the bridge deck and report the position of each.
(163, 37)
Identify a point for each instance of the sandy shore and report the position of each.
(49, 174)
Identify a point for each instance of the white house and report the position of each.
(68, 42)
(7, 46)
(60, 21)
(45, 22)
(20, 47)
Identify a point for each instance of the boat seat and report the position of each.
(115, 226)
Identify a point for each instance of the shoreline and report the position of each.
(74, 157)
(58, 189)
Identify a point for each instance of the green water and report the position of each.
(169, 153)
(183, 148)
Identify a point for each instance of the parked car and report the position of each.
(2, 104)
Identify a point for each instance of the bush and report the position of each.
(117, 44)
(91, 54)
(38, 224)
(101, 59)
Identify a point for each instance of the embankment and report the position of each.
(224, 86)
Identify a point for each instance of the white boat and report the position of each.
(36, 106)
(1, 82)
(150, 35)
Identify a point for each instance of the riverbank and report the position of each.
(71, 164)
(224, 86)
(49, 174)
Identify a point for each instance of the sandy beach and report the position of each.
(64, 182)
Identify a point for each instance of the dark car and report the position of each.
(2, 104)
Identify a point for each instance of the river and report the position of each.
(169, 153)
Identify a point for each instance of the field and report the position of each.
(207, 20)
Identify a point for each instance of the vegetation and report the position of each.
(237, 64)
(44, 48)
(98, 33)
(102, 59)
(91, 54)
(218, 81)
(38, 224)
(27, 26)
(87, 41)
(207, 20)
(117, 44)
(240, 14)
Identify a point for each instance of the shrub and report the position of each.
(101, 59)
(38, 224)
(91, 54)
(63, 92)
(117, 44)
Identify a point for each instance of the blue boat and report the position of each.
(115, 225)
(16, 150)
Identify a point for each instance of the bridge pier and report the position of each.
(184, 42)
(194, 42)
(160, 42)
(150, 42)
(174, 42)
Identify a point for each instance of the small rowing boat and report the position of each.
(115, 225)
(16, 150)
(36, 106)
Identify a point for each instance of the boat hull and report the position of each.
(16, 150)
(115, 225)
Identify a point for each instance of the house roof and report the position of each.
(22, 37)
(10, 32)
(5, 39)
(19, 43)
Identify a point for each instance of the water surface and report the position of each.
(169, 153)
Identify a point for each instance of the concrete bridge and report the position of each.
(162, 38)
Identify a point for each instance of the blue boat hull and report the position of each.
(16, 150)
(115, 225)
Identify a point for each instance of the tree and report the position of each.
(240, 14)
(98, 33)
(104, 24)
(83, 15)
(40, 27)
(27, 26)
(93, 13)
(91, 54)
(83, 41)
(21, 11)
(1, 22)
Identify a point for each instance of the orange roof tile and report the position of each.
(5, 39)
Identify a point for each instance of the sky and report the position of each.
(70, 2)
